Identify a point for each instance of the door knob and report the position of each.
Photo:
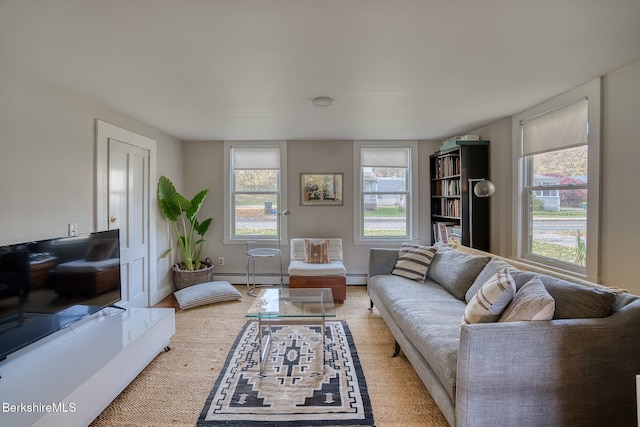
(113, 219)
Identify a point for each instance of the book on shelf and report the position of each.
(451, 187)
(438, 189)
(447, 166)
(454, 234)
(450, 207)
(440, 231)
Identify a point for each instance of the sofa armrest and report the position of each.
(382, 261)
(559, 372)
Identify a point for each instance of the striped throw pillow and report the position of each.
(413, 261)
(490, 301)
(531, 302)
(206, 293)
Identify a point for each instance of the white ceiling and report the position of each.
(247, 69)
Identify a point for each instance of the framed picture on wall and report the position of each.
(321, 189)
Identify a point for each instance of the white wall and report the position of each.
(499, 133)
(620, 236)
(204, 169)
(47, 161)
(620, 168)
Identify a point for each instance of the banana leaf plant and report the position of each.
(183, 215)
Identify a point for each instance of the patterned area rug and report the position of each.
(293, 389)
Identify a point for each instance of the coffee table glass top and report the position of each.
(279, 303)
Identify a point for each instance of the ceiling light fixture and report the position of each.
(322, 101)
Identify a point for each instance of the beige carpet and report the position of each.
(172, 390)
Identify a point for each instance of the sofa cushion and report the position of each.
(206, 293)
(432, 327)
(413, 261)
(522, 277)
(301, 268)
(491, 300)
(489, 270)
(531, 302)
(396, 288)
(455, 271)
(572, 300)
(575, 301)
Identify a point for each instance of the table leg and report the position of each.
(251, 271)
(324, 350)
(263, 350)
(260, 340)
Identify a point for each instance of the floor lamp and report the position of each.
(285, 212)
(482, 188)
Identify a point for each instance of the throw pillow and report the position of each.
(488, 304)
(489, 270)
(531, 302)
(413, 261)
(316, 253)
(206, 293)
(455, 271)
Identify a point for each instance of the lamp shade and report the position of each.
(484, 188)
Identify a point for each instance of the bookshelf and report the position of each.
(450, 171)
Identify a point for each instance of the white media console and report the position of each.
(69, 377)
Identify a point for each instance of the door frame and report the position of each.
(105, 131)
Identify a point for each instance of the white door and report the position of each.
(125, 196)
(128, 211)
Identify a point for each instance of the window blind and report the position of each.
(557, 129)
(256, 158)
(385, 157)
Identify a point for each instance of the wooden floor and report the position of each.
(169, 302)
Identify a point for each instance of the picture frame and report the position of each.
(321, 189)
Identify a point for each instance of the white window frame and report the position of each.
(411, 201)
(592, 92)
(228, 191)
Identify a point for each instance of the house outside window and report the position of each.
(549, 200)
(557, 149)
(385, 185)
(255, 179)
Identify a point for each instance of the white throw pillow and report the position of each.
(206, 293)
(491, 300)
(532, 302)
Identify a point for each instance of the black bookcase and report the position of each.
(450, 171)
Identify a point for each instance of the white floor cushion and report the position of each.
(206, 293)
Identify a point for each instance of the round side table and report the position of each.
(254, 253)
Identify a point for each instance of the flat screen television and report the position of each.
(48, 285)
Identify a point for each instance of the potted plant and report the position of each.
(189, 232)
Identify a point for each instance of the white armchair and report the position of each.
(326, 275)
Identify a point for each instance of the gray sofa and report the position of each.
(577, 369)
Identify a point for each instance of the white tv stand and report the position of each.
(69, 377)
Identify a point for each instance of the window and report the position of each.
(255, 179)
(557, 146)
(385, 185)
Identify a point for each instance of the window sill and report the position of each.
(384, 242)
(273, 242)
(554, 268)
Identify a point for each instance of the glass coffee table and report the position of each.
(290, 306)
